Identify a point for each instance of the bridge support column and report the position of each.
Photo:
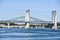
(27, 19)
(54, 19)
(43, 25)
(8, 24)
(36, 26)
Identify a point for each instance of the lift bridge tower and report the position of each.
(27, 19)
(54, 19)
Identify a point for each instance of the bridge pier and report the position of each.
(27, 19)
(54, 19)
(8, 24)
(43, 26)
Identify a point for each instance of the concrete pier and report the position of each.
(27, 18)
(54, 19)
(43, 25)
(8, 24)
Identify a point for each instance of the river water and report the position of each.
(29, 34)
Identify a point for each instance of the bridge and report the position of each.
(21, 21)
(28, 21)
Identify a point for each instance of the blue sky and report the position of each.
(41, 9)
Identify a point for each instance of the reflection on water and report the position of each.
(29, 34)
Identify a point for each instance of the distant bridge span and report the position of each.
(21, 19)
